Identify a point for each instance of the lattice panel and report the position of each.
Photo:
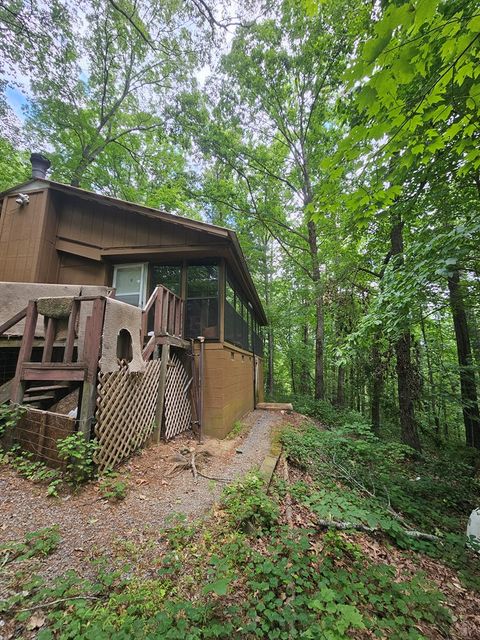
(125, 412)
(178, 411)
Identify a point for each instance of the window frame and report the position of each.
(143, 280)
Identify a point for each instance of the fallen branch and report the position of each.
(194, 468)
(50, 604)
(194, 463)
(343, 526)
(361, 487)
(214, 478)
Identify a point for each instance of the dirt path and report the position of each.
(91, 527)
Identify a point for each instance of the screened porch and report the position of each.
(215, 306)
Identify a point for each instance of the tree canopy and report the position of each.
(340, 140)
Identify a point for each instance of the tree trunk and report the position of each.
(319, 313)
(267, 285)
(471, 416)
(408, 425)
(292, 375)
(340, 400)
(432, 392)
(377, 386)
(270, 378)
(80, 169)
(358, 384)
(404, 369)
(304, 385)
(475, 335)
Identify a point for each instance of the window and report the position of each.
(168, 275)
(130, 281)
(202, 301)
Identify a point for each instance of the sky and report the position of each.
(16, 100)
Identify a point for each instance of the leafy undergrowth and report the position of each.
(78, 471)
(271, 566)
(241, 573)
(350, 475)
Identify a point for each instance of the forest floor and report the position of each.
(91, 527)
(237, 561)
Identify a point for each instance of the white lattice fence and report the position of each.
(178, 411)
(125, 412)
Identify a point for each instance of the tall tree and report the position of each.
(276, 88)
(471, 415)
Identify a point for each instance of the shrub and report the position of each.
(78, 453)
(113, 487)
(248, 506)
(321, 410)
(9, 416)
(37, 543)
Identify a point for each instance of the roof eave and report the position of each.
(159, 215)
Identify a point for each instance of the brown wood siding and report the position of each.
(21, 237)
(48, 257)
(110, 228)
(79, 270)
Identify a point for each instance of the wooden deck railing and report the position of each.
(162, 316)
(11, 322)
(82, 369)
(161, 322)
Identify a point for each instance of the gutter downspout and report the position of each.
(201, 384)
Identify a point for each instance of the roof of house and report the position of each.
(214, 230)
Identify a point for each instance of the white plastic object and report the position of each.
(473, 529)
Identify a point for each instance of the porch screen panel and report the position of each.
(257, 339)
(230, 314)
(169, 276)
(240, 326)
(201, 316)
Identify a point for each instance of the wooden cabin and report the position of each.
(75, 240)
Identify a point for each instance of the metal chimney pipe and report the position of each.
(40, 165)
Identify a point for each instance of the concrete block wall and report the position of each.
(229, 391)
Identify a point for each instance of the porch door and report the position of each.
(130, 282)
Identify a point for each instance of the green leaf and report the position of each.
(352, 616)
(474, 25)
(366, 97)
(424, 12)
(220, 587)
(374, 47)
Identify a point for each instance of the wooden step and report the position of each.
(274, 406)
(49, 396)
(5, 390)
(53, 371)
(52, 387)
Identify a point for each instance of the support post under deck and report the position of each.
(162, 385)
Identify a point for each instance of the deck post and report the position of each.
(162, 384)
(93, 344)
(49, 340)
(18, 386)
(72, 323)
